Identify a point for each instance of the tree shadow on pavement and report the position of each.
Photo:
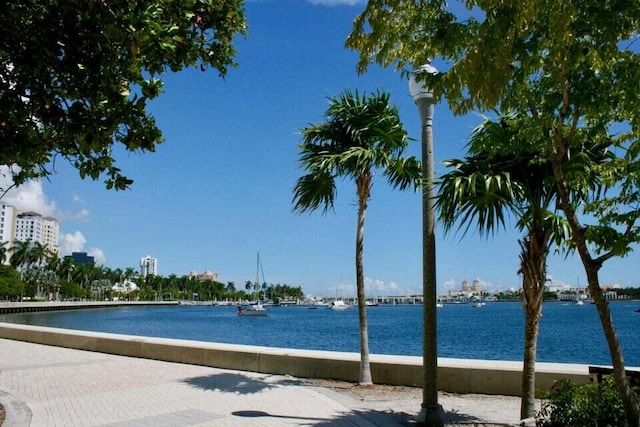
(237, 383)
(354, 417)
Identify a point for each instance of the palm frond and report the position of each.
(360, 133)
(472, 195)
(313, 191)
(404, 173)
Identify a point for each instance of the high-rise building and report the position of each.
(50, 233)
(148, 265)
(36, 228)
(7, 227)
(81, 258)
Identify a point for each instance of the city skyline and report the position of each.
(219, 189)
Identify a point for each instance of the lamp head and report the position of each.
(419, 89)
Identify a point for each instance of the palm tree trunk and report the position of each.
(533, 268)
(363, 183)
(528, 402)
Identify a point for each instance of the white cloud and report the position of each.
(379, 288)
(98, 256)
(72, 242)
(28, 197)
(336, 2)
(450, 284)
(81, 215)
(374, 285)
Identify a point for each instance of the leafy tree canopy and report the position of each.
(76, 76)
(524, 51)
(572, 66)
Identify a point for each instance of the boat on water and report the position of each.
(579, 302)
(371, 303)
(339, 305)
(439, 305)
(255, 308)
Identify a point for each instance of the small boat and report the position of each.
(439, 305)
(478, 304)
(339, 305)
(251, 310)
(579, 302)
(256, 308)
(371, 303)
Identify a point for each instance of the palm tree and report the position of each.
(3, 251)
(360, 134)
(503, 175)
(20, 253)
(129, 273)
(65, 268)
(39, 253)
(53, 262)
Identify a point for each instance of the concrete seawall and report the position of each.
(454, 375)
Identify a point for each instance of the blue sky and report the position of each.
(219, 189)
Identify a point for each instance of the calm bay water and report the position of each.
(568, 333)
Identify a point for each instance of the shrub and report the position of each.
(584, 405)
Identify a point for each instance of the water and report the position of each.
(568, 333)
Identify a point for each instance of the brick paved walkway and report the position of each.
(50, 386)
(45, 386)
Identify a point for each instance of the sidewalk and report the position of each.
(51, 386)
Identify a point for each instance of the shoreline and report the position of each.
(454, 375)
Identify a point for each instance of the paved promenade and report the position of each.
(51, 386)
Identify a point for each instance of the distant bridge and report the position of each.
(383, 300)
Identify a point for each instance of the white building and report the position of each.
(50, 233)
(207, 275)
(148, 265)
(7, 227)
(36, 228)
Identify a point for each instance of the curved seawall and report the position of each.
(454, 375)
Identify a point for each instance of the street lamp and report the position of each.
(431, 411)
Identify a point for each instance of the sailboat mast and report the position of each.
(257, 285)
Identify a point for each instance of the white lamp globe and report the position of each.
(419, 89)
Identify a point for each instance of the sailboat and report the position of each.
(255, 308)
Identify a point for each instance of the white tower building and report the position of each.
(36, 228)
(50, 233)
(148, 265)
(7, 227)
(28, 226)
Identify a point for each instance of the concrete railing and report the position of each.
(454, 375)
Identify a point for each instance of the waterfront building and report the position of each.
(207, 275)
(7, 226)
(50, 233)
(148, 265)
(31, 226)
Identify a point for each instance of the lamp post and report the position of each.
(431, 411)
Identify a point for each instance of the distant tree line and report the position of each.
(35, 273)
